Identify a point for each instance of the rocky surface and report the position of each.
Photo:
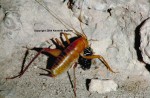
(119, 31)
(145, 39)
(102, 86)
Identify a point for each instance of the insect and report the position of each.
(86, 63)
(67, 56)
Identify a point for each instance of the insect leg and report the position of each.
(66, 37)
(100, 58)
(48, 74)
(75, 65)
(59, 43)
(54, 52)
(22, 71)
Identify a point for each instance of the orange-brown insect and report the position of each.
(66, 56)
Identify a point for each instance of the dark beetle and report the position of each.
(86, 63)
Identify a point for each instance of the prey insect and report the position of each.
(86, 63)
(67, 56)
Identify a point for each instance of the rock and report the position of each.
(102, 86)
(145, 41)
(2, 14)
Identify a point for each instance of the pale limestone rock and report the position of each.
(102, 86)
(2, 14)
(145, 41)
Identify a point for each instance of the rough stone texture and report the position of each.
(102, 86)
(117, 25)
(145, 41)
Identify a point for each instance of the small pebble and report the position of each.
(102, 86)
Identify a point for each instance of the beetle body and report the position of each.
(86, 63)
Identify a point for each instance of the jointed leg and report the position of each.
(74, 74)
(54, 52)
(48, 74)
(100, 58)
(22, 71)
(59, 43)
(66, 37)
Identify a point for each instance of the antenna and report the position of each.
(80, 21)
(58, 18)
